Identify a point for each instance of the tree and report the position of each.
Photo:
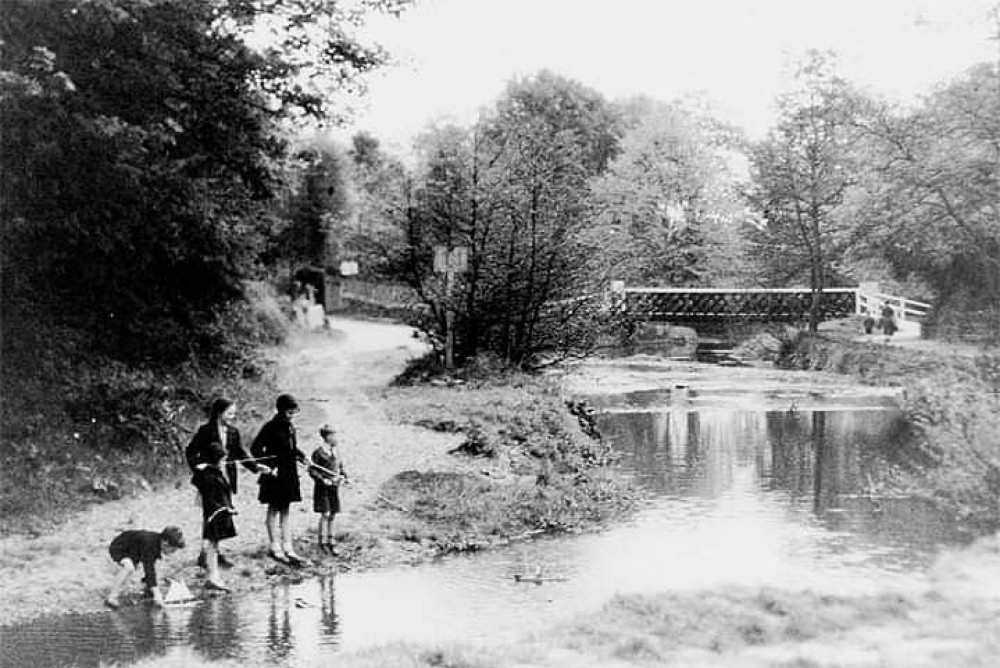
(319, 208)
(138, 163)
(667, 210)
(802, 173)
(512, 190)
(931, 204)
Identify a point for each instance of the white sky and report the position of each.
(456, 56)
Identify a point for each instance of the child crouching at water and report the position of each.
(217, 510)
(134, 547)
(327, 471)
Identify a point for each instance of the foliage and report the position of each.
(932, 187)
(140, 152)
(318, 207)
(952, 403)
(512, 191)
(376, 237)
(958, 416)
(667, 210)
(802, 173)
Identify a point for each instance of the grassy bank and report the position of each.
(526, 465)
(437, 467)
(79, 429)
(951, 400)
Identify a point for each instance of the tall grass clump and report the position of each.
(79, 427)
(956, 413)
(529, 465)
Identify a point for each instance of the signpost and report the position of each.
(450, 261)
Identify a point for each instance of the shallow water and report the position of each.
(738, 497)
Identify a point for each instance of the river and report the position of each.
(753, 477)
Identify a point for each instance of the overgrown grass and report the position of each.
(532, 468)
(951, 401)
(79, 429)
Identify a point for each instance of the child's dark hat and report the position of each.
(326, 429)
(286, 402)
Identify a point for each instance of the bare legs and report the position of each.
(212, 565)
(125, 571)
(279, 533)
(324, 531)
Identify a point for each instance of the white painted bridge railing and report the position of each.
(870, 302)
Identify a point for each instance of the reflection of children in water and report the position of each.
(328, 607)
(214, 629)
(279, 624)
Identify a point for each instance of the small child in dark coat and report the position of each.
(217, 510)
(327, 471)
(134, 547)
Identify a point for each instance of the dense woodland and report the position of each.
(157, 168)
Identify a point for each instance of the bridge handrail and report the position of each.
(731, 290)
(906, 309)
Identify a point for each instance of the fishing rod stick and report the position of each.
(250, 459)
(323, 469)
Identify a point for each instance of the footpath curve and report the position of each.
(333, 373)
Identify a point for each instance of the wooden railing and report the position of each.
(904, 310)
(388, 295)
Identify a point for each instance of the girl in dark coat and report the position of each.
(219, 430)
(217, 511)
(280, 489)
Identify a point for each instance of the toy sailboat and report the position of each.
(178, 594)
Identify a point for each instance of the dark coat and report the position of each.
(208, 434)
(277, 440)
(216, 503)
(142, 547)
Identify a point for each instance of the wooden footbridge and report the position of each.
(708, 305)
(731, 305)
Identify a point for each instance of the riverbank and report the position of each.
(951, 397)
(951, 620)
(522, 467)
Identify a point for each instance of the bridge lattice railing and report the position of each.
(735, 304)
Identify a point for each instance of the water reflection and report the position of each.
(738, 497)
(828, 460)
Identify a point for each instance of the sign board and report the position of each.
(348, 268)
(440, 259)
(455, 260)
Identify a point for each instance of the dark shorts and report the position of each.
(326, 500)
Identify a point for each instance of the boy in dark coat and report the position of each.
(134, 547)
(279, 490)
(217, 511)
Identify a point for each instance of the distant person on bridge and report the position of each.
(887, 323)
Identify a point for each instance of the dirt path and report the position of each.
(334, 374)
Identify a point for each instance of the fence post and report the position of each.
(868, 289)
